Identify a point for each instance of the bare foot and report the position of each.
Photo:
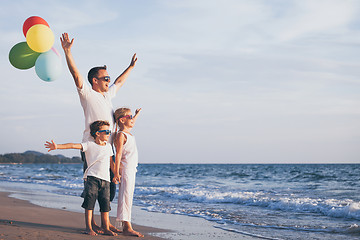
(97, 229)
(90, 232)
(132, 232)
(109, 232)
(114, 229)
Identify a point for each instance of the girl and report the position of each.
(126, 163)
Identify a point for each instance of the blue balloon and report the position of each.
(48, 65)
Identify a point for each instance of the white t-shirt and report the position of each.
(96, 107)
(97, 159)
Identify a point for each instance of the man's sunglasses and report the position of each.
(106, 78)
(107, 132)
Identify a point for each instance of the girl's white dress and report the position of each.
(128, 165)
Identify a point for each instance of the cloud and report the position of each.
(87, 13)
(304, 18)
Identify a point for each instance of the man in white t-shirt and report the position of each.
(95, 100)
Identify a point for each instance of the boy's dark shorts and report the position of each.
(96, 189)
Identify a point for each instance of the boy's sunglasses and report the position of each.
(107, 132)
(106, 78)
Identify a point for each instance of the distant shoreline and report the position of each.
(29, 157)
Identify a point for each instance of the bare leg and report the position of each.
(88, 219)
(129, 231)
(105, 224)
(96, 227)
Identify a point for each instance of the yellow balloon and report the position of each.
(40, 38)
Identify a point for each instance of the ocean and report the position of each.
(268, 201)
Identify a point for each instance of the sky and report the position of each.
(230, 81)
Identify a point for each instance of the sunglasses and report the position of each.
(128, 116)
(106, 78)
(107, 132)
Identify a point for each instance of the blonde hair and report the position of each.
(119, 113)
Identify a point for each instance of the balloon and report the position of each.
(48, 65)
(40, 38)
(31, 21)
(22, 57)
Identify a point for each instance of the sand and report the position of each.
(20, 219)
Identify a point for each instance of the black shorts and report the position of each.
(96, 189)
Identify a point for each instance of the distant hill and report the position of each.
(36, 157)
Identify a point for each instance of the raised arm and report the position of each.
(66, 45)
(120, 80)
(53, 146)
(137, 111)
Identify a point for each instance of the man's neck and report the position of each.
(97, 89)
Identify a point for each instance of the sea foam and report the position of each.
(329, 207)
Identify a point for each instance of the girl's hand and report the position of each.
(133, 60)
(137, 111)
(50, 145)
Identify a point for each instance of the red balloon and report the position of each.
(31, 21)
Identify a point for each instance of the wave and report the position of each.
(329, 207)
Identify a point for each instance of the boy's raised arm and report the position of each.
(53, 146)
(66, 45)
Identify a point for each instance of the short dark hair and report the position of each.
(95, 126)
(94, 73)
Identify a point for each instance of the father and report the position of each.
(95, 101)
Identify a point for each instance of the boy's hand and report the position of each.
(50, 145)
(116, 179)
(65, 42)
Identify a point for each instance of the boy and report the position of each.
(98, 156)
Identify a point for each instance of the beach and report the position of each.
(29, 214)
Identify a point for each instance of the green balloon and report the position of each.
(22, 57)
